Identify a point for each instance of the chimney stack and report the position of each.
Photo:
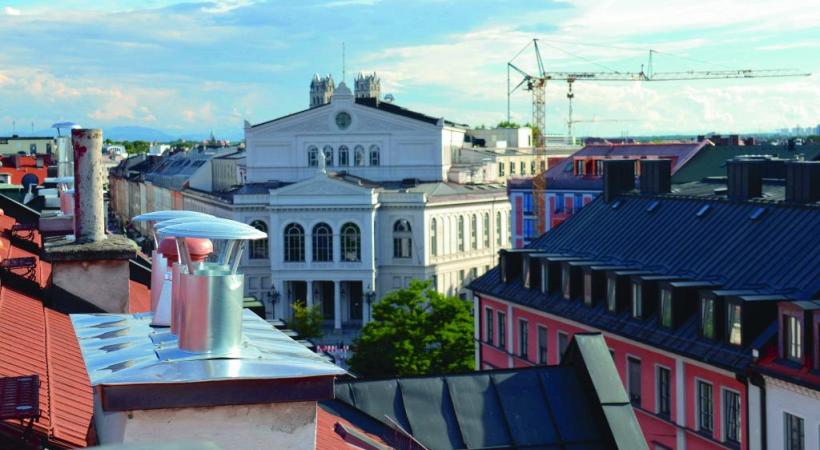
(619, 177)
(656, 176)
(88, 184)
(745, 178)
(89, 266)
(803, 181)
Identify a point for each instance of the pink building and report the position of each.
(573, 184)
(686, 290)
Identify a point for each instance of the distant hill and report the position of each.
(137, 133)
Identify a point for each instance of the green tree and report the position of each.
(415, 331)
(507, 124)
(307, 321)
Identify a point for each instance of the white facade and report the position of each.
(338, 232)
(505, 137)
(391, 146)
(801, 402)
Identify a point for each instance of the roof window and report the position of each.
(703, 210)
(757, 213)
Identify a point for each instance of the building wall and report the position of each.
(10, 145)
(784, 397)
(409, 148)
(559, 206)
(676, 432)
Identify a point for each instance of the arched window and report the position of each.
(294, 243)
(402, 239)
(313, 156)
(344, 156)
(433, 238)
(328, 150)
(259, 247)
(486, 230)
(474, 232)
(351, 243)
(374, 155)
(460, 238)
(358, 155)
(498, 228)
(322, 243)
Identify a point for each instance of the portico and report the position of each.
(343, 303)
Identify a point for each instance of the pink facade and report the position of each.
(674, 431)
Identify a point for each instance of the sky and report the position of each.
(190, 67)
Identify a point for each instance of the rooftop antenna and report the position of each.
(344, 67)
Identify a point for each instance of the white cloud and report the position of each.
(11, 11)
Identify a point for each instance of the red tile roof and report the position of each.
(328, 439)
(139, 297)
(37, 340)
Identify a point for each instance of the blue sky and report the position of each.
(187, 67)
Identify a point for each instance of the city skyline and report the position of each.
(184, 67)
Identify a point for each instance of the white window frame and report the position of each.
(657, 389)
(696, 392)
(723, 432)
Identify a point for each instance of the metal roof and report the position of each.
(580, 403)
(121, 349)
(778, 253)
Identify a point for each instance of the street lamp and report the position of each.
(273, 296)
(369, 296)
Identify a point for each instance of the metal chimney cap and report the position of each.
(198, 247)
(215, 229)
(59, 180)
(159, 216)
(162, 224)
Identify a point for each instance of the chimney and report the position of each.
(619, 177)
(211, 294)
(90, 266)
(656, 176)
(88, 185)
(149, 383)
(802, 181)
(745, 177)
(163, 307)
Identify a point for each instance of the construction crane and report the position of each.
(537, 85)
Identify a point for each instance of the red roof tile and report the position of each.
(139, 297)
(328, 439)
(38, 340)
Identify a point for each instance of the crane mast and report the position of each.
(537, 84)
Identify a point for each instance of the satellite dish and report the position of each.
(389, 98)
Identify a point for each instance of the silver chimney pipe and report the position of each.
(211, 294)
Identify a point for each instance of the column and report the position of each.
(337, 305)
(309, 299)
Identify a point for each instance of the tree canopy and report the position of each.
(415, 331)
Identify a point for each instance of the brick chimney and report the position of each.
(89, 265)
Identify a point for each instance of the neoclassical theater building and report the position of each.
(355, 196)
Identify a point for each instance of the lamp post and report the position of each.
(369, 296)
(273, 296)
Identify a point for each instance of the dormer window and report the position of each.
(707, 317)
(611, 292)
(793, 338)
(565, 285)
(733, 323)
(579, 167)
(666, 307)
(637, 301)
(588, 288)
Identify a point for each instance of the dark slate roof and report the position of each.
(580, 404)
(404, 112)
(711, 162)
(779, 252)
